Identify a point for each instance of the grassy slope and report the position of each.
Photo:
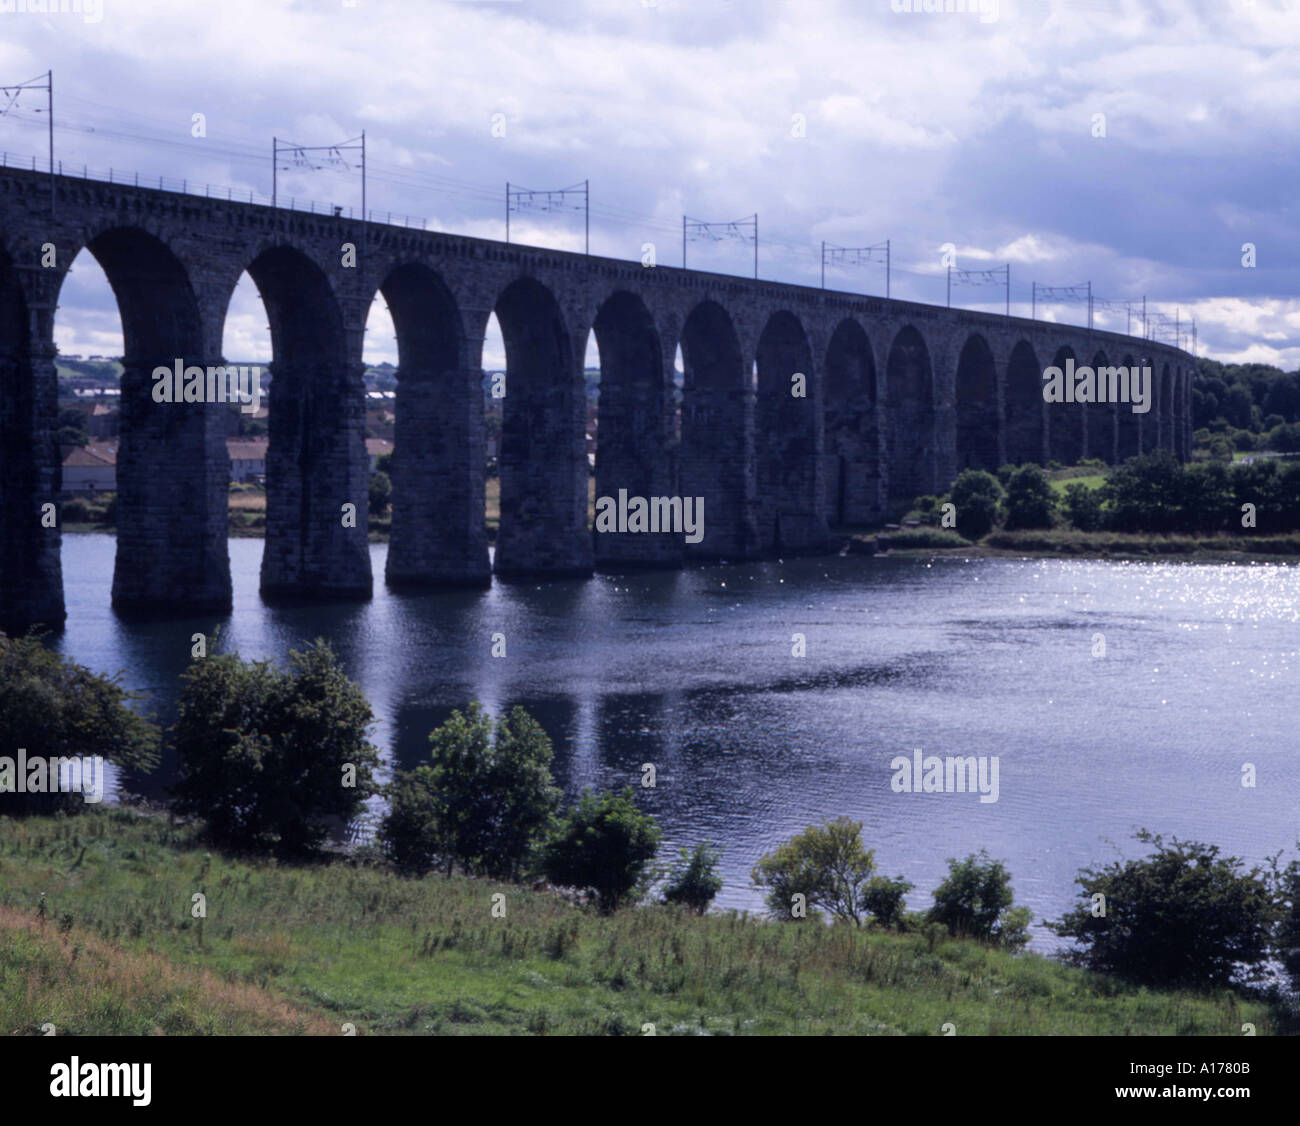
(309, 948)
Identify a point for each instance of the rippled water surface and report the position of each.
(693, 671)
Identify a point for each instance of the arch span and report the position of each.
(437, 536)
(717, 434)
(543, 461)
(789, 487)
(910, 440)
(851, 459)
(316, 460)
(978, 433)
(632, 432)
(1024, 406)
(173, 472)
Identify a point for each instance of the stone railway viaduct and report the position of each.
(900, 397)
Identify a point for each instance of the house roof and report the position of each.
(378, 446)
(96, 456)
(246, 449)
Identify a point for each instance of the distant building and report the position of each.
(90, 469)
(247, 459)
(103, 421)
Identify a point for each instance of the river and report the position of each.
(694, 671)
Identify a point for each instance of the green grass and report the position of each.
(309, 948)
(1091, 481)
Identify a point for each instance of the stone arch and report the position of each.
(437, 536)
(1026, 433)
(31, 579)
(1065, 420)
(1101, 417)
(1128, 425)
(977, 407)
(632, 428)
(910, 441)
(1167, 409)
(717, 435)
(787, 438)
(172, 469)
(316, 460)
(851, 458)
(543, 462)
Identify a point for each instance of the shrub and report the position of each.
(1181, 916)
(1030, 499)
(976, 496)
(268, 757)
(1220, 448)
(78, 510)
(974, 901)
(486, 801)
(381, 493)
(694, 881)
(1083, 507)
(54, 708)
(883, 899)
(826, 864)
(602, 846)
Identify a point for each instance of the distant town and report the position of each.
(89, 395)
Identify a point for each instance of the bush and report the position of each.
(883, 898)
(268, 757)
(1220, 448)
(1182, 916)
(975, 902)
(1030, 499)
(78, 510)
(976, 496)
(381, 493)
(54, 708)
(1285, 439)
(1083, 507)
(487, 800)
(826, 864)
(603, 846)
(694, 881)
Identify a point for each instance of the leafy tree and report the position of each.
(1083, 507)
(883, 899)
(694, 880)
(976, 496)
(381, 493)
(269, 757)
(1285, 439)
(603, 846)
(1181, 916)
(1030, 499)
(486, 800)
(1145, 494)
(974, 901)
(1287, 935)
(73, 427)
(826, 863)
(53, 708)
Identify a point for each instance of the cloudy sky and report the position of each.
(1138, 144)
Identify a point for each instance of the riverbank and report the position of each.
(1051, 543)
(308, 949)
